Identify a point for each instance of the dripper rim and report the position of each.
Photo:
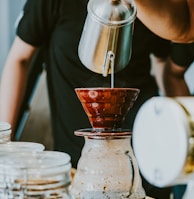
(107, 88)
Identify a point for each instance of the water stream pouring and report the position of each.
(107, 167)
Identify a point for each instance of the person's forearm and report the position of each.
(12, 88)
(174, 87)
(170, 19)
(13, 81)
(174, 80)
(158, 65)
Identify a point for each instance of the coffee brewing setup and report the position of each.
(107, 167)
(163, 142)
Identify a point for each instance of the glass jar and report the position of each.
(21, 146)
(13, 147)
(5, 132)
(107, 168)
(36, 175)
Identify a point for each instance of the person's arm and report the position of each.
(170, 77)
(174, 80)
(170, 19)
(14, 79)
(158, 65)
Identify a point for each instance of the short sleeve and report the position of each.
(182, 54)
(160, 47)
(36, 21)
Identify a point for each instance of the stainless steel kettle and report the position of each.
(106, 40)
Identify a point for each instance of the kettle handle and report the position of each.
(109, 62)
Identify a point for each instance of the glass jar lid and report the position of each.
(21, 146)
(5, 128)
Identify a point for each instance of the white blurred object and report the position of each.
(189, 193)
(163, 138)
(189, 77)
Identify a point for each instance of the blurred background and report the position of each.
(35, 125)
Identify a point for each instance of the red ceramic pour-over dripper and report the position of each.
(106, 108)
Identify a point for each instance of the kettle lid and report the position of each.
(113, 12)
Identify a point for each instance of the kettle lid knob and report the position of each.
(113, 12)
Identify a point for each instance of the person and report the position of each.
(173, 20)
(172, 81)
(171, 75)
(54, 28)
(180, 59)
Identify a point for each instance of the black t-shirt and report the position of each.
(182, 54)
(57, 25)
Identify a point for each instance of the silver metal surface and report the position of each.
(107, 33)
